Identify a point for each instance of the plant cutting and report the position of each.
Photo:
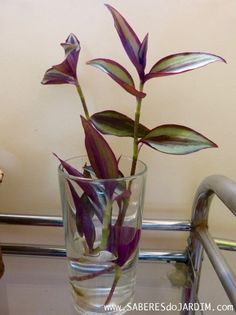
(102, 195)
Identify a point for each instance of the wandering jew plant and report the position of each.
(166, 138)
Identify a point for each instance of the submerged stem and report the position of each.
(82, 98)
(117, 276)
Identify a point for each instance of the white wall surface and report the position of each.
(37, 120)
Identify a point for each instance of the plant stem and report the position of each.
(136, 150)
(117, 276)
(82, 98)
(106, 225)
(136, 125)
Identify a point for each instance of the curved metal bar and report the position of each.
(222, 269)
(58, 251)
(221, 186)
(225, 189)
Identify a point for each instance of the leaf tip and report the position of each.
(223, 60)
(146, 37)
(57, 156)
(219, 58)
(108, 6)
(214, 145)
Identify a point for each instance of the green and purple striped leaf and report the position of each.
(114, 123)
(181, 62)
(129, 39)
(176, 139)
(101, 156)
(65, 72)
(118, 73)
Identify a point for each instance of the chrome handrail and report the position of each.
(56, 221)
(221, 267)
(45, 220)
(30, 219)
(148, 225)
(200, 239)
(221, 186)
(59, 251)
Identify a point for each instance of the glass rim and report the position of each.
(129, 177)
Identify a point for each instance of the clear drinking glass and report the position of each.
(102, 221)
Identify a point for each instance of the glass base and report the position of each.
(90, 295)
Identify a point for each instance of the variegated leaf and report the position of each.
(128, 37)
(65, 72)
(176, 139)
(118, 73)
(114, 123)
(181, 62)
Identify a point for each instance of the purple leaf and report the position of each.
(70, 169)
(181, 62)
(123, 242)
(143, 52)
(176, 139)
(65, 72)
(101, 156)
(118, 73)
(90, 190)
(129, 39)
(87, 205)
(84, 221)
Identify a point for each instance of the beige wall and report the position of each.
(36, 120)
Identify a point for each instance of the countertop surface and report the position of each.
(39, 286)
